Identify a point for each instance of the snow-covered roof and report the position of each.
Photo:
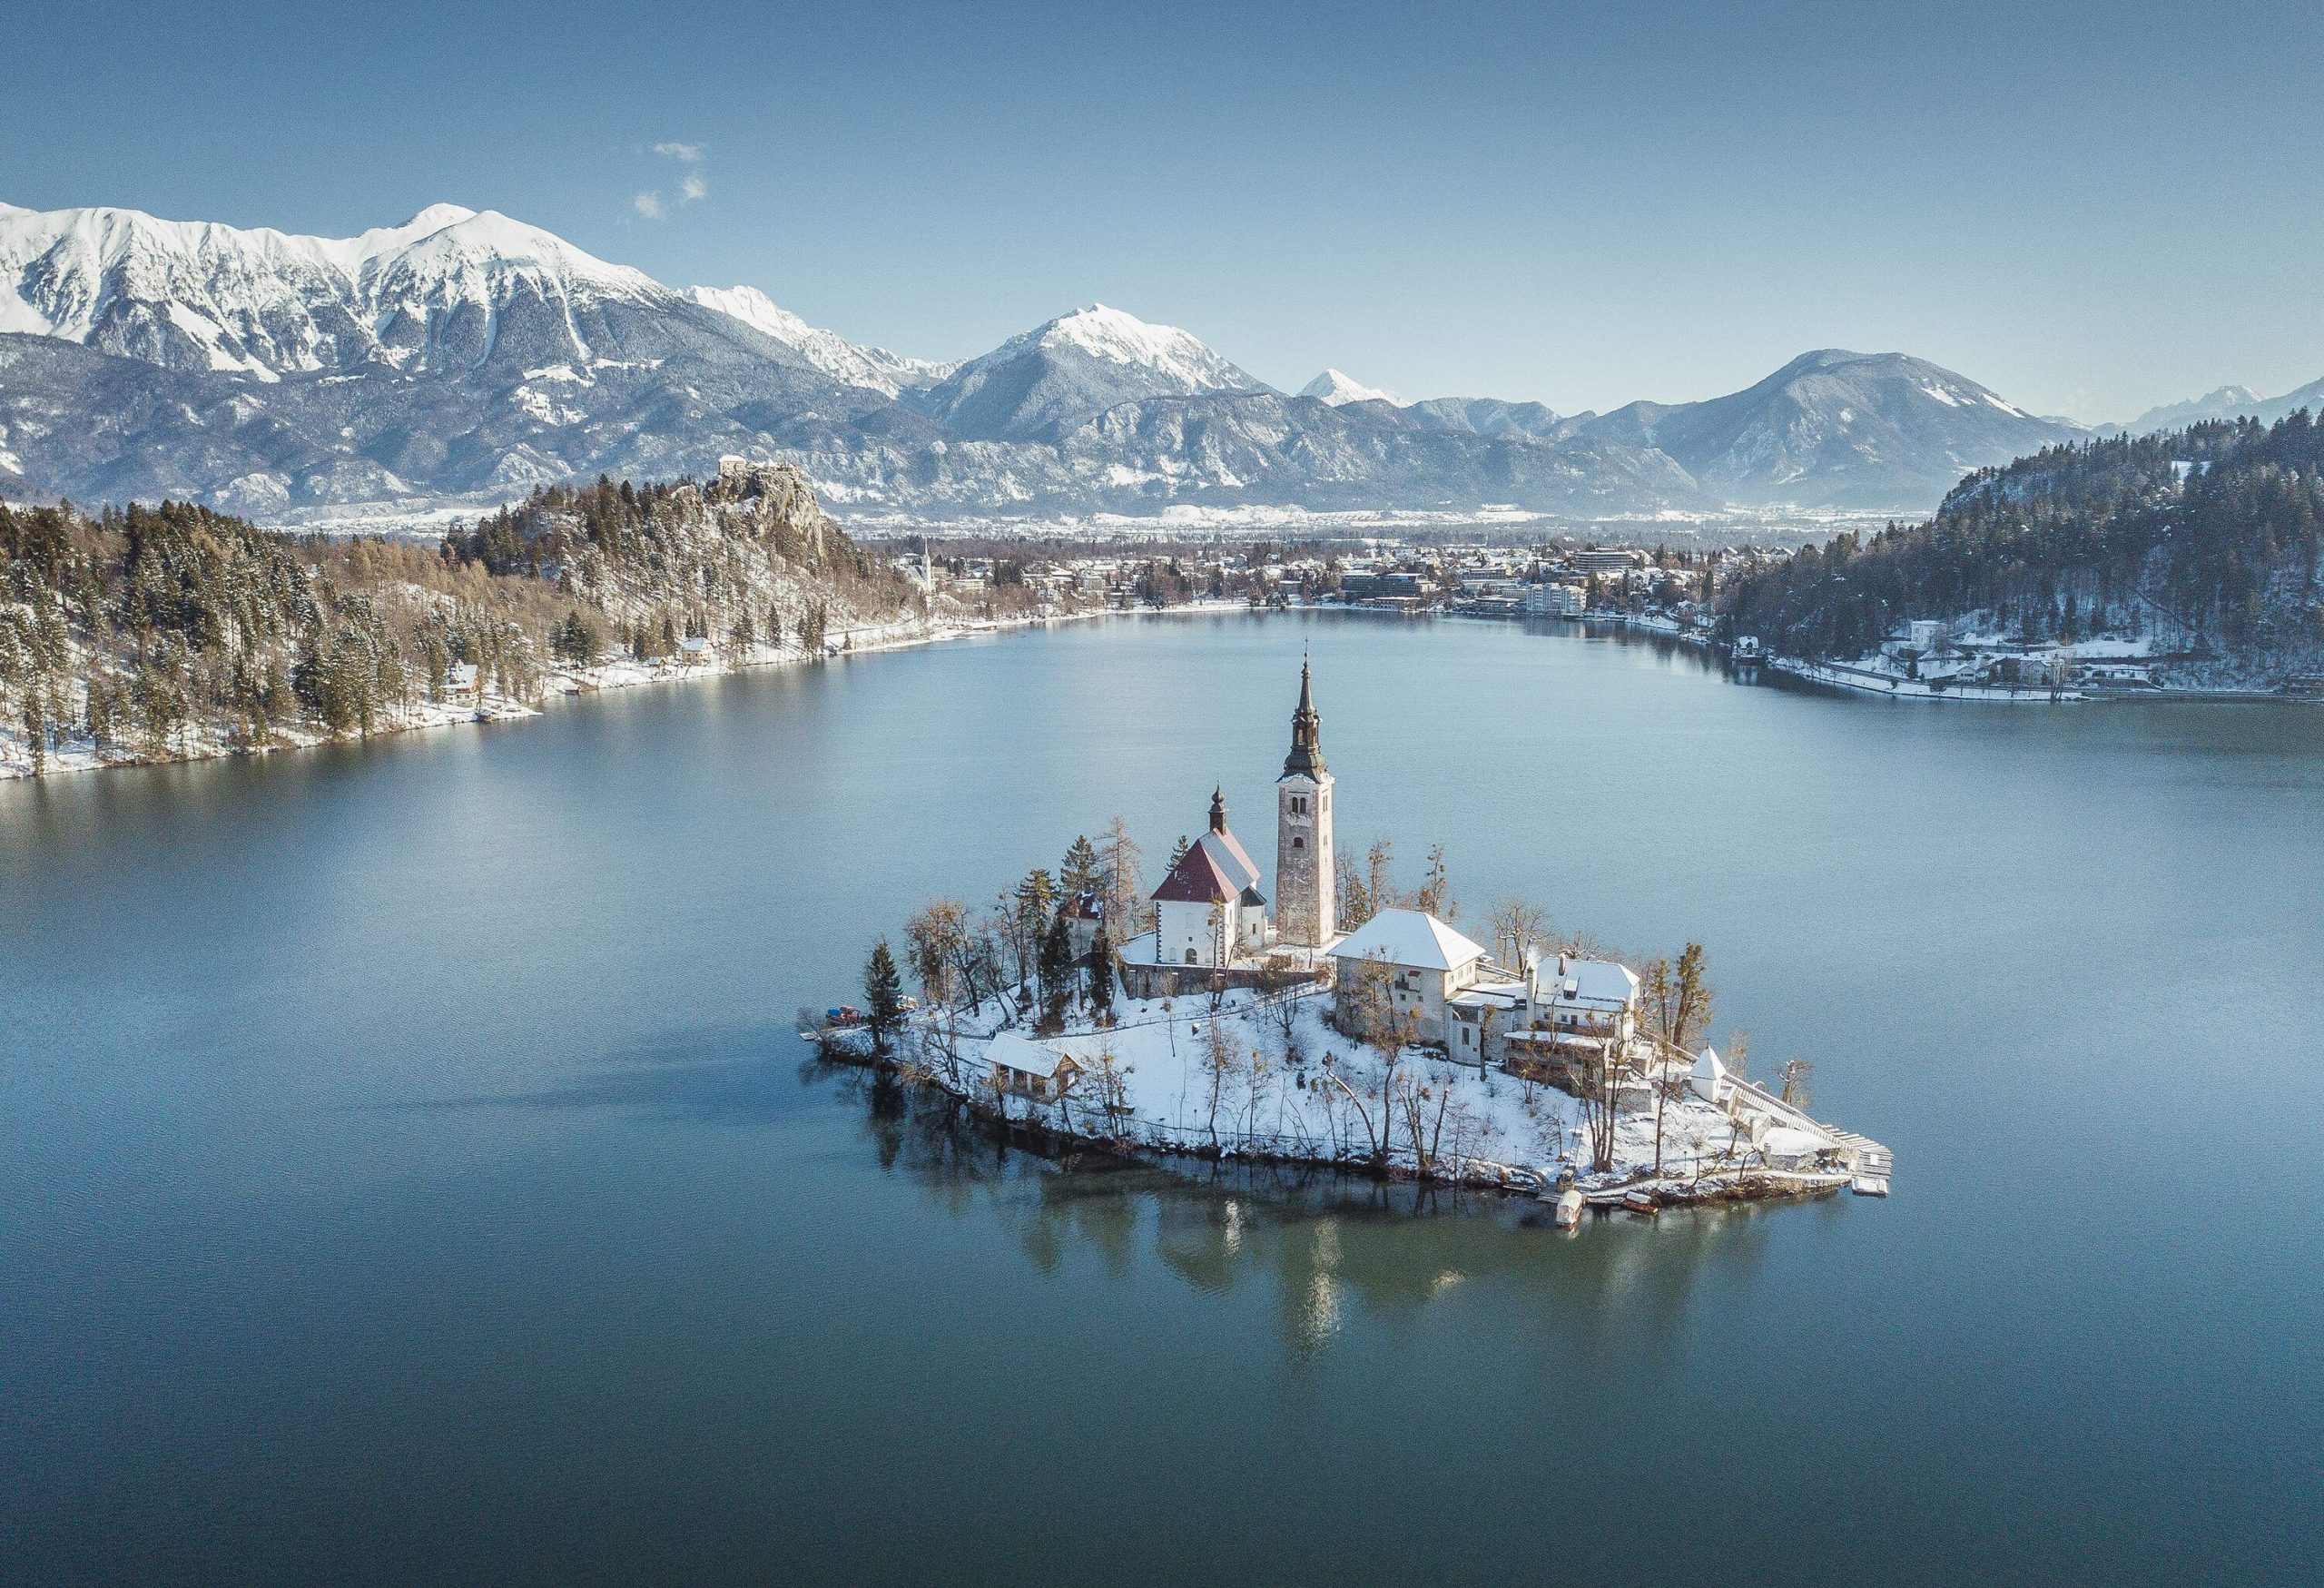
(1016, 1051)
(1408, 937)
(1489, 995)
(1594, 982)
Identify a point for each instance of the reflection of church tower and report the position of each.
(1305, 909)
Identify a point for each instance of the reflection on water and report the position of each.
(1318, 1241)
(407, 1172)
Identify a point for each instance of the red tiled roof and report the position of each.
(1196, 879)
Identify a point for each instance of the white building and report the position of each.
(1208, 912)
(1408, 965)
(1608, 561)
(1554, 601)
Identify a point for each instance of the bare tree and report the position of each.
(1436, 895)
(1600, 1077)
(1109, 1080)
(1221, 1063)
(1380, 873)
(1279, 988)
(1123, 890)
(1258, 1086)
(1659, 992)
(1796, 1073)
(1422, 1100)
(1353, 897)
(1387, 1029)
(1518, 928)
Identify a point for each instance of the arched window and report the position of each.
(1190, 956)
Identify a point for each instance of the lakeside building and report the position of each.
(1555, 601)
(1408, 966)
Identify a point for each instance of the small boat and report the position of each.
(1869, 1185)
(1569, 1211)
(1638, 1203)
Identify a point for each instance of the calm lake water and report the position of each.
(409, 1173)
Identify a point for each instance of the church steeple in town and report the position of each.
(1218, 809)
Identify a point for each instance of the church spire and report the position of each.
(1218, 809)
(1306, 757)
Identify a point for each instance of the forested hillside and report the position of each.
(2205, 542)
(171, 631)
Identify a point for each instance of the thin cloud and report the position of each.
(693, 185)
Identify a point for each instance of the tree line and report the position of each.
(150, 632)
(2216, 530)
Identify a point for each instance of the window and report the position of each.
(1297, 842)
(1190, 956)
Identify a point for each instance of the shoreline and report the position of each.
(426, 715)
(1707, 1161)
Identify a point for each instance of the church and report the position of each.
(1212, 920)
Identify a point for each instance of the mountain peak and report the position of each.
(1122, 338)
(2226, 402)
(1336, 388)
(436, 217)
(1070, 369)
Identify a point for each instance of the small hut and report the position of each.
(1028, 1069)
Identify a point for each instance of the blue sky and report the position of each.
(2090, 208)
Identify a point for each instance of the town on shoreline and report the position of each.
(1343, 1022)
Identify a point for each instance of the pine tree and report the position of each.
(1101, 976)
(883, 996)
(1078, 875)
(1056, 972)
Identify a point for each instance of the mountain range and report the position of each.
(2229, 402)
(463, 355)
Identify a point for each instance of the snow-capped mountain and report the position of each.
(1035, 386)
(2309, 396)
(2228, 402)
(855, 363)
(195, 295)
(1337, 388)
(466, 355)
(1837, 429)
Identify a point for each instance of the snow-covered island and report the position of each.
(1200, 1019)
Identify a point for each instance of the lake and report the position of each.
(408, 1172)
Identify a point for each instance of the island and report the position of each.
(1344, 1023)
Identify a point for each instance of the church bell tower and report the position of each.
(1305, 908)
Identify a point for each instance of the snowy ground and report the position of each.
(1279, 1100)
